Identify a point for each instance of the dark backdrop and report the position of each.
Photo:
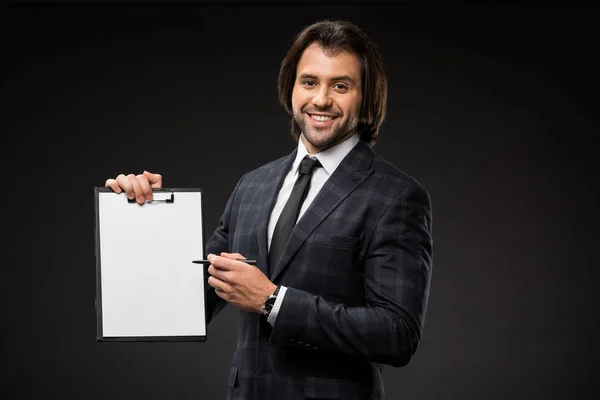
(492, 107)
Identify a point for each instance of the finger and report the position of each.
(154, 179)
(145, 185)
(114, 185)
(219, 284)
(126, 186)
(220, 274)
(221, 263)
(137, 189)
(233, 256)
(223, 294)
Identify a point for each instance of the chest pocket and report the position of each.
(334, 270)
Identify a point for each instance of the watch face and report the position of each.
(270, 302)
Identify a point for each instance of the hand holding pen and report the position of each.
(240, 283)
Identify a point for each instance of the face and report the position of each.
(326, 97)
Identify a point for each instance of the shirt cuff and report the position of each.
(273, 314)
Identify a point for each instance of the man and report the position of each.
(347, 292)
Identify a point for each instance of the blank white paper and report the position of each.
(149, 285)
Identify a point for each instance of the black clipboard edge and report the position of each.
(98, 299)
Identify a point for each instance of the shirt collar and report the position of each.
(331, 158)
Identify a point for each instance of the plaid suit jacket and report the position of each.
(357, 268)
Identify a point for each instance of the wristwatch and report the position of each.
(270, 302)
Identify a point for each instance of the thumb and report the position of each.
(154, 179)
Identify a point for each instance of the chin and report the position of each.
(320, 143)
(318, 138)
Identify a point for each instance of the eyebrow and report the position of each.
(335, 78)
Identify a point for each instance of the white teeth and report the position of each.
(321, 118)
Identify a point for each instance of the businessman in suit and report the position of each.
(341, 237)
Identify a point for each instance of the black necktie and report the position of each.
(289, 215)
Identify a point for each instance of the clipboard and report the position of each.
(147, 288)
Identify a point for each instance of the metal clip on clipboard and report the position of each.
(169, 197)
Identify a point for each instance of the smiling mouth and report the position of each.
(321, 118)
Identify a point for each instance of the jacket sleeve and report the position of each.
(397, 270)
(219, 242)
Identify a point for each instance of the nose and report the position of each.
(321, 98)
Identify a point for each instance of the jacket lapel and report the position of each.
(270, 190)
(352, 171)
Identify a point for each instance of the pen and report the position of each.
(206, 262)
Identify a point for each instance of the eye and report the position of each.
(340, 87)
(308, 82)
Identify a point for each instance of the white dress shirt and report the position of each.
(330, 159)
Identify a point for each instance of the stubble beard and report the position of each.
(318, 137)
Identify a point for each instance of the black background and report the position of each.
(492, 107)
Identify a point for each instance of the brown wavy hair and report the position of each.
(336, 36)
